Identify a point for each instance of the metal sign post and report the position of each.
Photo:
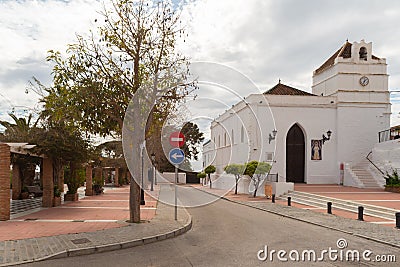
(176, 156)
(176, 192)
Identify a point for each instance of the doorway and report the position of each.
(295, 155)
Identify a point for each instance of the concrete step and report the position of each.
(352, 206)
(364, 176)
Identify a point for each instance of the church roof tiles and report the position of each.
(282, 89)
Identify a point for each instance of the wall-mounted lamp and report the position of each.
(272, 137)
(324, 138)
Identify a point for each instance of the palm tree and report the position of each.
(20, 130)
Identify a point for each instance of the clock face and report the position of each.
(364, 80)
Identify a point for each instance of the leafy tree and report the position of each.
(193, 138)
(208, 170)
(64, 144)
(201, 175)
(256, 170)
(237, 170)
(133, 49)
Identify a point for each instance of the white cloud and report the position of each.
(31, 28)
(264, 39)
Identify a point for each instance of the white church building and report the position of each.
(310, 137)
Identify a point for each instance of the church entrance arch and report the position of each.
(295, 155)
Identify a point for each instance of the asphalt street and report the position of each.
(228, 234)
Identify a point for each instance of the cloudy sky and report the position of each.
(265, 40)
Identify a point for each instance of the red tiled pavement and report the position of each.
(112, 205)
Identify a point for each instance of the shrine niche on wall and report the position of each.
(316, 149)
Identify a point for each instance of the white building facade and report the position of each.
(349, 100)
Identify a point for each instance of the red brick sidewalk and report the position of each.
(109, 210)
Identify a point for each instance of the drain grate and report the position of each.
(80, 241)
(31, 219)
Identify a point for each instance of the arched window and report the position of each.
(225, 139)
(219, 141)
(242, 135)
(363, 53)
(232, 138)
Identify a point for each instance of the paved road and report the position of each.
(228, 234)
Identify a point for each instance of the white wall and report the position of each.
(387, 155)
(314, 122)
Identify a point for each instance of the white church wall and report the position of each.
(314, 122)
(358, 128)
(387, 155)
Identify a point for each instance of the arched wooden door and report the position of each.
(295, 155)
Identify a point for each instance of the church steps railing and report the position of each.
(367, 157)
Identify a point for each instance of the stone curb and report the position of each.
(302, 220)
(114, 246)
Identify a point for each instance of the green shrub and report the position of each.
(392, 179)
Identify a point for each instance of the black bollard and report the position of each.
(398, 220)
(329, 207)
(361, 213)
(142, 201)
(273, 198)
(289, 201)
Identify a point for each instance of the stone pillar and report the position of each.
(16, 182)
(89, 182)
(4, 182)
(98, 172)
(61, 180)
(48, 184)
(116, 177)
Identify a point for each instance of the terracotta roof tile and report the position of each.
(344, 52)
(282, 89)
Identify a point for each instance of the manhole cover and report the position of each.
(80, 241)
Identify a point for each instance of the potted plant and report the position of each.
(392, 182)
(57, 197)
(72, 193)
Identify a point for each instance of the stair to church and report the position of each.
(366, 179)
(318, 201)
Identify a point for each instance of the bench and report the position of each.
(35, 190)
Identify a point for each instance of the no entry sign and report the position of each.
(177, 139)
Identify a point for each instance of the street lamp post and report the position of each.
(153, 158)
(142, 201)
